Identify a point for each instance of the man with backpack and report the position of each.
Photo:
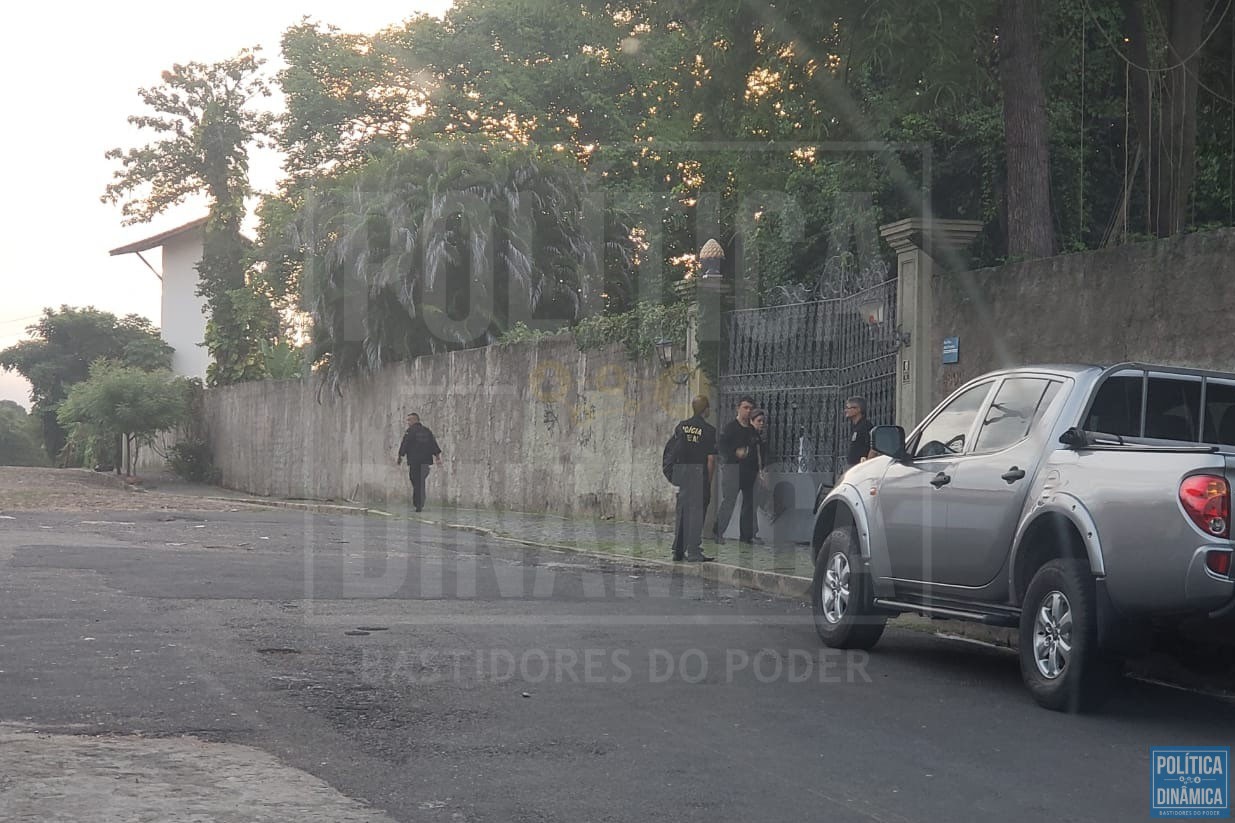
(690, 463)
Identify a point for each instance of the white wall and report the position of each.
(183, 323)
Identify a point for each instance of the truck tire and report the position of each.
(1061, 663)
(841, 595)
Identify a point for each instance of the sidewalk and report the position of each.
(638, 541)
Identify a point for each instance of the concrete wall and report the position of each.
(1165, 301)
(535, 427)
(183, 323)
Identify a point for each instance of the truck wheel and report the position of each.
(1061, 663)
(841, 597)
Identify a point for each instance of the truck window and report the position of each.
(1017, 406)
(1173, 408)
(1220, 413)
(1117, 407)
(947, 432)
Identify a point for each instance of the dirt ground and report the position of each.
(79, 490)
(109, 779)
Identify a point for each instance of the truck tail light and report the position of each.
(1207, 500)
(1219, 563)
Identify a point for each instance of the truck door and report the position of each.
(988, 490)
(913, 495)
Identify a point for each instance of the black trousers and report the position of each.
(732, 482)
(418, 474)
(693, 499)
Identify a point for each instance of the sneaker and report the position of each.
(699, 558)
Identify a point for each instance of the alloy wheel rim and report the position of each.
(1052, 635)
(835, 594)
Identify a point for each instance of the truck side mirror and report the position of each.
(889, 440)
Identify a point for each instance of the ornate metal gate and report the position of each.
(800, 361)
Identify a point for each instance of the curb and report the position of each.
(320, 508)
(783, 585)
(775, 583)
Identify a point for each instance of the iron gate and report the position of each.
(800, 362)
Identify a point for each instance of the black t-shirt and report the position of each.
(859, 441)
(735, 436)
(698, 440)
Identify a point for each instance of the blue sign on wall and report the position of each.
(951, 349)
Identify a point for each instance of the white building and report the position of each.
(182, 320)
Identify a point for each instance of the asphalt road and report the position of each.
(493, 683)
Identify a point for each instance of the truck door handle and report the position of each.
(941, 480)
(1013, 474)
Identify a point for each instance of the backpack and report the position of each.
(673, 450)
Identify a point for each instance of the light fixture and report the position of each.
(664, 352)
(874, 313)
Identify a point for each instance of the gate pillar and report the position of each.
(921, 245)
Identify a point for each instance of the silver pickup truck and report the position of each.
(1080, 504)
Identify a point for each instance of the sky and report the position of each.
(73, 81)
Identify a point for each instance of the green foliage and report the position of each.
(690, 117)
(284, 361)
(193, 461)
(20, 437)
(122, 401)
(349, 98)
(636, 330)
(521, 332)
(64, 343)
(206, 121)
(445, 246)
(191, 456)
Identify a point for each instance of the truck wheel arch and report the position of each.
(1064, 531)
(839, 511)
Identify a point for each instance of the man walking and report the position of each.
(739, 470)
(692, 474)
(859, 448)
(420, 448)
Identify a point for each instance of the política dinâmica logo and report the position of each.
(1190, 781)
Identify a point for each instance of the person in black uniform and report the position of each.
(859, 448)
(759, 419)
(420, 448)
(739, 455)
(692, 474)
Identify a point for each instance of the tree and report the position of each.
(446, 246)
(349, 98)
(19, 437)
(120, 401)
(207, 122)
(1031, 226)
(64, 343)
(1009, 113)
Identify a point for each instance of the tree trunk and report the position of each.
(1031, 226)
(1141, 103)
